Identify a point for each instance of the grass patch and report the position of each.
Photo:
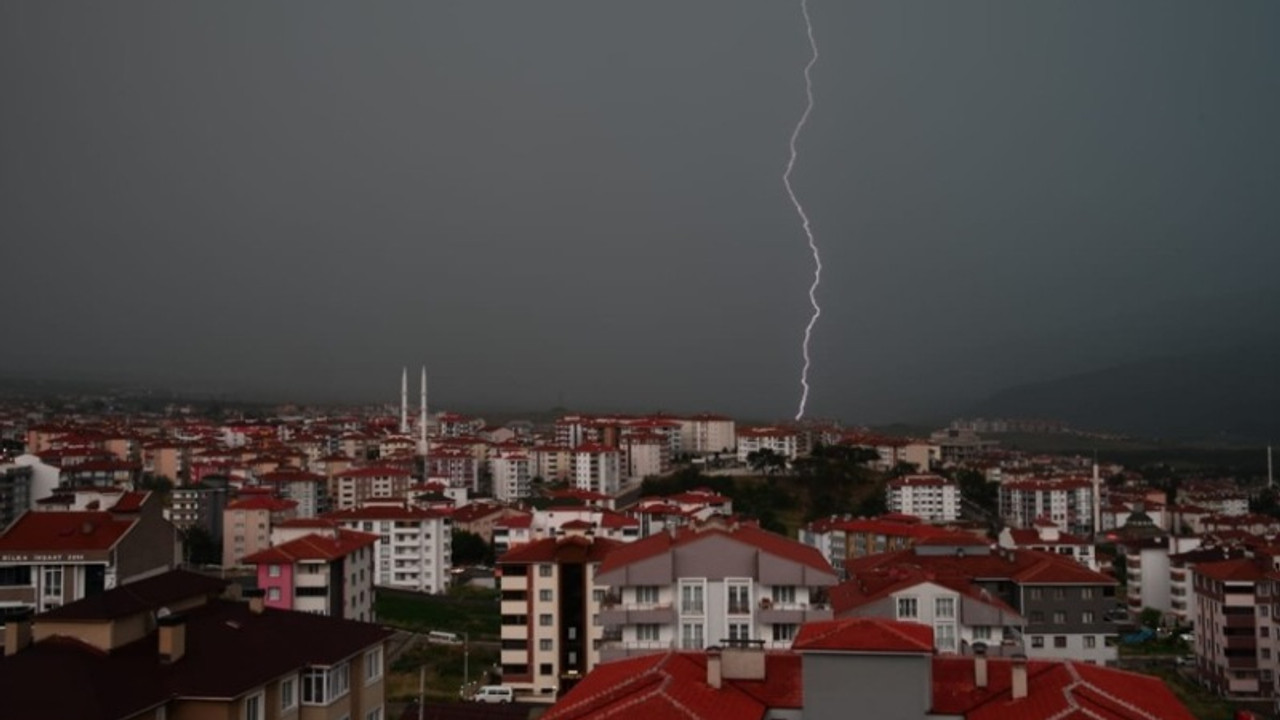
(446, 668)
(476, 614)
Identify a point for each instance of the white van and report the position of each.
(494, 694)
(438, 637)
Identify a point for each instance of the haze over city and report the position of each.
(580, 204)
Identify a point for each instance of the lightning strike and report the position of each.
(804, 217)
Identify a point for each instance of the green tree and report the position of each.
(766, 461)
(471, 549)
(1150, 617)
(200, 548)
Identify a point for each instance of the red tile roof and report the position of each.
(58, 531)
(1241, 570)
(865, 635)
(674, 685)
(1021, 566)
(262, 502)
(773, 544)
(387, 512)
(313, 547)
(553, 549)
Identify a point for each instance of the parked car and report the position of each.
(494, 694)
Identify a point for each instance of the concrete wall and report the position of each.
(888, 687)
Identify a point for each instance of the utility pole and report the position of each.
(466, 660)
(422, 690)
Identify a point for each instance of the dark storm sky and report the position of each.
(581, 201)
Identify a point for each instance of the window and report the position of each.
(1059, 617)
(545, 620)
(1086, 617)
(981, 632)
(545, 645)
(52, 581)
(288, 694)
(1264, 631)
(1059, 641)
(739, 631)
(544, 571)
(273, 593)
(945, 607)
(784, 632)
(1059, 594)
(1264, 610)
(545, 669)
(944, 636)
(374, 714)
(253, 707)
(544, 595)
(691, 636)
(691, 599)
(273, 570)
(313, 680)
(739, 600)
(784, 594)
(339, 681)
(15, 575)
(907, 607)
(1086, 593)
(647, 595)
(1037, 616)
(1090, 642)
(647, 632)
(1037, 641)
(1037, 593)
(373, 665)
(597, 596)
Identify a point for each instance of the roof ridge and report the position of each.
(1081, 680)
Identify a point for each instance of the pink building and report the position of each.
(329, 572)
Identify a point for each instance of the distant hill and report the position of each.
(1228, 394)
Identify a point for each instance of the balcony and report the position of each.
(617, 650)
(637, 613)
(792, 613)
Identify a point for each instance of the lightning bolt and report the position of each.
(804, 217)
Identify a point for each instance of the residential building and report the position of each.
(511, 475)
(696, 586)
(1182, 598)
(555, 462)
(550, 598)
(597, 468)
(49, 559)
(415, 545)
(1067, 501)
(861, 668)
(558, 520)
(1148, 575)
(1070, 610)
(455, 465)
(645, 455)
(203, 505)
(961, 614)
(929, 497)
(328, 572)
(15, 492)
(1046, 537)
(843, 538)
(893, 452)
(783, 441)
(480, 518)
(708, 434)
(309, 490)
(353, 487)
(172, 648)
(1233, 645)
(247, 524)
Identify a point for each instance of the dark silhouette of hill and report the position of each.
(1225, 394)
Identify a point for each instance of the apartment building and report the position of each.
(860, 668)
(892, 452)
(843, 538)
(309, 490)
(557, 520)
(708, 434)
(177, 647)
(49, 559)
(202, 505)
(929, 497)
(415, 545)
(1148, 575)
(783, 441)
(511, 475)
(1067, 501)
(597, 468)
(1046, 537)
(719, 581)
(555, 462)
(15, 492)
(961, 615)
(644, 455)
(550, 598)
(1070, 610)
(1182, 597)
(457, 466)
(247, 524)
(1235, 653)
(352, 488)
(327, 572)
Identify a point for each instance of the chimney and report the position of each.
(980, 664)
(714, 673)
(1018, 676)
(173, 638)
(17, 633)
(257, 600)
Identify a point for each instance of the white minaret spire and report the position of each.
(404, 400)
(422, 417)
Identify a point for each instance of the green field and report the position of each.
(475, 612)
